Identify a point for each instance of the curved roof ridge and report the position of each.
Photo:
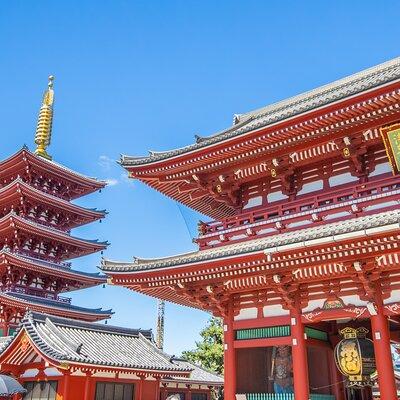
(280, 104)
(316, 98)
(263, 243)
(140, 260)
(94, 326)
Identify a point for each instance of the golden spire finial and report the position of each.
(45, 121)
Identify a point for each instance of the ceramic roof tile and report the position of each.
(256, 245)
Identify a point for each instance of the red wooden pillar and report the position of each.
(88, 381)
(229, 355)
(139, 390)
(157, 389)
(66, 388)
(383, 354)
(299, 356)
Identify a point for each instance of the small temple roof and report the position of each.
(40, 303)
(74, 342)
(339, 90)
(388, 220)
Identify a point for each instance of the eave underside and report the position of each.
(347, 263)
(196, 183)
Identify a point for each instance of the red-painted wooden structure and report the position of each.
(305, 239)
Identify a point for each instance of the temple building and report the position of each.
(55, 349)
(65, 359)
(36, 218)
(301, 255)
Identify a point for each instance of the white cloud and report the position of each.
(112, 181)
(106, 162)
(125, 179)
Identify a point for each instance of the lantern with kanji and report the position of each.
(354, 356)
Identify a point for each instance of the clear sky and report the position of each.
(133, 76)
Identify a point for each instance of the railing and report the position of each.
(283, 396)
(38, 293)
(285, 215)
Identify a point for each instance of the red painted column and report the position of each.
(157, 391)
(299, 356)
(139, 390)
(65, 386)
(88, 379)
(229, 355)
(383, 355)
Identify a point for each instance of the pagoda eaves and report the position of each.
(50, 176)
(31, 202)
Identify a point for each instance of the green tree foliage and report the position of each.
(209, 352)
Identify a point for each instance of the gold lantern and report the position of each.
(354, 356)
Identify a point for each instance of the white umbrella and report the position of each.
(10, 386)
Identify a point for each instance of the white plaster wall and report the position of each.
(274, 311)
(394, 297)
(246, 313)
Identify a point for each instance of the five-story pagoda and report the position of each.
(36, 218)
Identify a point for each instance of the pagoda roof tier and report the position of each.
(313, 253)
(79, 279)
(64, 309)
(18, 193)
(29, 166)
(205, 175)
(74, 344)
(76, 247)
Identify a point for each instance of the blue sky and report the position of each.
(133, 76)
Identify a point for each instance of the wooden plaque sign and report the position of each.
(391, 139)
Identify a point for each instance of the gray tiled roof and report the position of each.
(352, 85)
(199, 374)
(262, 244)
(69, 341)
(36, 300)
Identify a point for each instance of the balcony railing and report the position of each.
(339, 202)
(39, 293)
(282, 396)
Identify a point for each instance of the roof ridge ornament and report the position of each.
(45, 121)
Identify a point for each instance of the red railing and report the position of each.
(352, 198)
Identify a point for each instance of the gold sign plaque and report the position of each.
(391, 139)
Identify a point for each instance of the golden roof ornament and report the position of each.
(45, 121)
